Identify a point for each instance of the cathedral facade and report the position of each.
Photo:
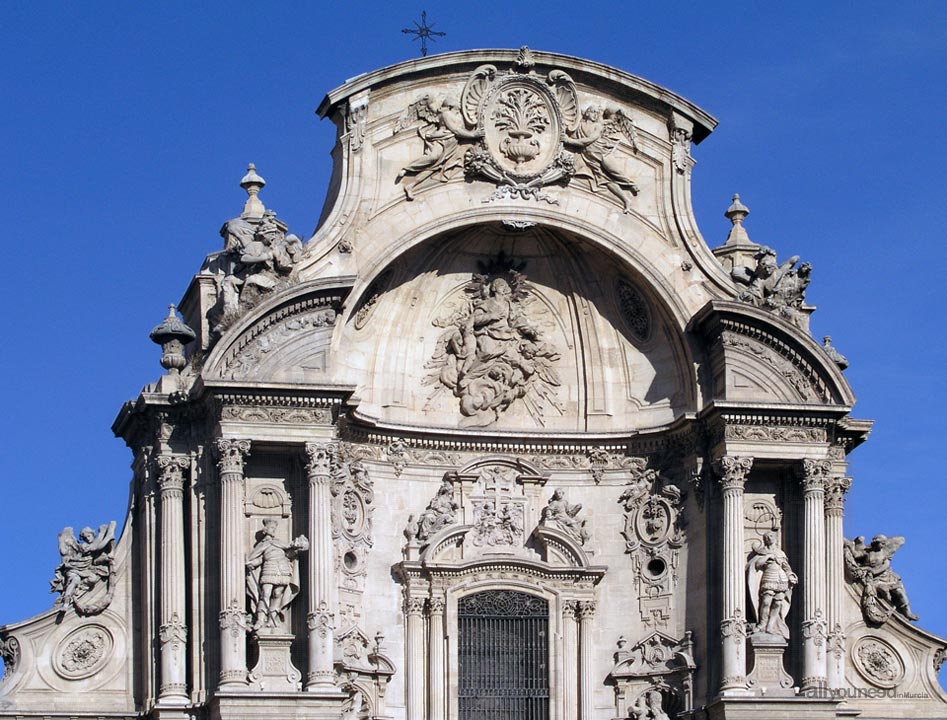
(504, 439)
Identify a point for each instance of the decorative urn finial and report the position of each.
(172, 335)
(737, 210)
(252, 183)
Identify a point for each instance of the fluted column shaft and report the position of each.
(570, 661)
(586, 679)
(813, 475)
(436, 692)
(732, 473)
(233, 615)
(173, 631)
(415, 661)
(835, 489)
(321, 616)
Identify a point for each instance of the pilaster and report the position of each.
(415, 660)
(835, 489)
(436, 689)
(586, 610)
(570, 667)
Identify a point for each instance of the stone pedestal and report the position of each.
(769, 677)
(274, 670)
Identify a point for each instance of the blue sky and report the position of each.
(127, 126)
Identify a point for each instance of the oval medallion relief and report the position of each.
(83, 652)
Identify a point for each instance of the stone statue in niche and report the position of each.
(258, 258)
(440, 513)
(595, 138)
(493, 353)
(770, 580)
(563, 515)
(779, 288)
(85, 577)
(870, 565)
(649, 706)
(442, 129)
(272, 575)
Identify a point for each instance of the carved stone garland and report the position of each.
(654, 525)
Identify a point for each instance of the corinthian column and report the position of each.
(233, 615)
(173, 632)
(732, 473)
(835, 489)
(436, 685)
(321, 617)
(813, 475)
(570, 660)
(586, 615)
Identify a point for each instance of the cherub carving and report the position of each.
(871, 566)
(770, 580)
(595, 138)
(780, 288)
(563, 515)
(86, 566)
(442, 128)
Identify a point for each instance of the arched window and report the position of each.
(503, 656)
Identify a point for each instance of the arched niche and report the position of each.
(583, 341)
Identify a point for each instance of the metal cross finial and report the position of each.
(423, 31)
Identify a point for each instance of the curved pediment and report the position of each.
(757, 357)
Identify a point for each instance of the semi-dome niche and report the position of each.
(492, 327)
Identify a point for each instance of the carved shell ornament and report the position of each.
(520, 130)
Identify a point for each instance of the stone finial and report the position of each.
(252, 183)
(172, 335)
(738, 249)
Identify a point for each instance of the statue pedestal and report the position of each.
(768, 676)
(274, 670)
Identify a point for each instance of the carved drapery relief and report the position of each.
(654, 676)
(493, 353)
(512, 128)
(654, 534)
(869, 568)
(85, 578)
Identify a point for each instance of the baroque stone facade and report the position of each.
(455, 447)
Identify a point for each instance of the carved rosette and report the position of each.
(83, 652)
(231, 455)
(878, 662)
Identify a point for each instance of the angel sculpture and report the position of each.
(563, 514)
(871, 566)
(86, 566)
(595, 138)
(273, 575)
(442, 128)
(770, 580)
(778, 287)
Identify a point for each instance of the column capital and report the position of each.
(322, 458)
(570, 608)
(732, 471)
(437, 605)
(231, 453)
(813, 474)
(835, 489)
(586, 609)
(414, 606)
(171, 471)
